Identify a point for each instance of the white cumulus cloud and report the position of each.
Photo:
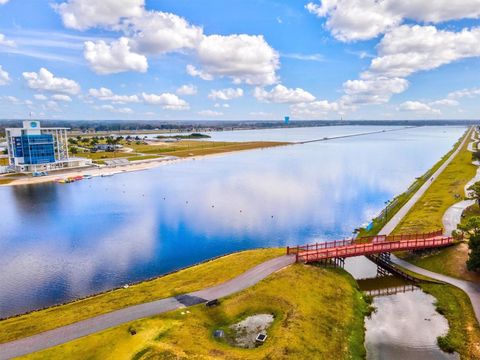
(105, 94)
(193, 71)
(168, 101)
(159, 32)
(113, 109)
(40, 97)
(372, 91)
(4, 77)
(417, 106)
(464, 93)
(243, 58)
(46, 81)
(281, 94)
(225, 94)
(315, 109)
(408, 49)
(187, 90)
(85, 14)
(61, 97)
(114, 57)
(5, 42)
(444, 102)
(349, 20)
(210, 113)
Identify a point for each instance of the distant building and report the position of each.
(33, 148)
(107, 147)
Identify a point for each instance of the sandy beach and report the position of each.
(98, 170)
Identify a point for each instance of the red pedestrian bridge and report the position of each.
(368, 246)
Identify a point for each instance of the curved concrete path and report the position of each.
(453, 215)
(92, 325)
(470, 288)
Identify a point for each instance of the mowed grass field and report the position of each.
(194, 278)
(182, 148)
(319, 314)
(399, 201)
(426, 214)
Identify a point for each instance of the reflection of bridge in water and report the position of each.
(391, 290)
(384, 285)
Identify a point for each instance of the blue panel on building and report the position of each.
(38, 149)
(18, 148)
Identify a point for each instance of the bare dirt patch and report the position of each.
(245, 332)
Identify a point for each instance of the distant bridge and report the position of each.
(368, 246)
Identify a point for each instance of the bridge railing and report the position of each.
(363, 239)
(318, 246)
(401, 237)
(371, 248)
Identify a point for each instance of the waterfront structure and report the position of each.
(107, 147)
(32, 148)
(287, 120)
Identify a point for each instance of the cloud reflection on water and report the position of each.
(59, 242)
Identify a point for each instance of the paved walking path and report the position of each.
(453, 215)
(470, 288)
(90, 326)
(395, 220)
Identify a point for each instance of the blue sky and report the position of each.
(231, 60)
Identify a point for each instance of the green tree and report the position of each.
(472, 228)
(476, 155)
(474, 192)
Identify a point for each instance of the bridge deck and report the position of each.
(348, 248)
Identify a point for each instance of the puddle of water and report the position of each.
(405, 324)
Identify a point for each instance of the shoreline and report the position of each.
(173, 160)
(141, 165)
(395, 220)
(138, 165)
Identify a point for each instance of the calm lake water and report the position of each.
(59, 242)
(405, 324)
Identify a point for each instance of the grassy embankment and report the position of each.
(426, 215)
(182, 148)
(194, 278)
(400, 200)
(464, 332)
(446, 190)
(319, 314)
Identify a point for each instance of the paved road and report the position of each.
(89, 326)
(395, 220)
(354, 135)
